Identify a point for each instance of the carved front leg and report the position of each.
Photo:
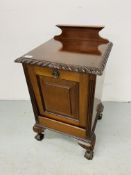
(100, 109)
(39, 130)
(89, 146)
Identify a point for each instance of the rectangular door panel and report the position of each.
(60, 96)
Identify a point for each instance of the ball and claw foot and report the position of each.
(100, 116)
(89, 155)
(39, 136)
(100, 109)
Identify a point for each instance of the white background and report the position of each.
(25, 24)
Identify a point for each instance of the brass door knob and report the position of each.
(55, 73)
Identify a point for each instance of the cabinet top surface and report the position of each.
(77, 48)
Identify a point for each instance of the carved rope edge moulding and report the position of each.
(69, 67)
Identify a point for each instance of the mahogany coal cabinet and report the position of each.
(64, 78)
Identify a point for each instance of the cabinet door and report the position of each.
(62, 98)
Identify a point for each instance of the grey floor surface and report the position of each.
(21, 154)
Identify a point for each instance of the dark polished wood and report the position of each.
(63, 84)
(81, 39)
(77, 49)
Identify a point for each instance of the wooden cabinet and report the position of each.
(62, 81)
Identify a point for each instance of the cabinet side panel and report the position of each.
(31, 92)
(91, 92)
(99, 86)
(97, 97)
